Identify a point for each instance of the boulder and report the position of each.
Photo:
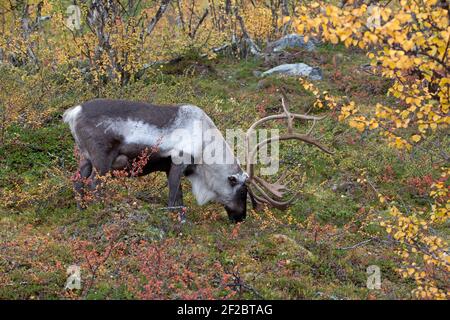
(284, 242)
(295, 69)
(292, 41)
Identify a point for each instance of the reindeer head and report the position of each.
(260, 190)
(237, 207)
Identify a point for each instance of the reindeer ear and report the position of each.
(233, 180)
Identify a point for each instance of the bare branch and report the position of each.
(359, 244)
(254, 49)
(158, 15)
(205, 14)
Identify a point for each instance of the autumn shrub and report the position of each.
(23, 23)
(38, 259)
(167, 268)
(407, 43)
(110, 41)
(171, 270)
(420, 186)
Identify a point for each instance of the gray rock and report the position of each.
(295, 69)
(257, 73)
(262, 84)
(345, 187)
(44, 18)
(292, 41)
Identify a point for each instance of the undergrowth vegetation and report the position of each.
(378, 201)
(305, 252)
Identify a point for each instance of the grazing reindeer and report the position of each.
(110, 134)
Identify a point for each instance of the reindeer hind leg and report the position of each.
(85, 171)
(101, 165)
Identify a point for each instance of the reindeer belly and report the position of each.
(119, 163)
(140, 166)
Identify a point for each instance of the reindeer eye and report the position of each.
(232, 180)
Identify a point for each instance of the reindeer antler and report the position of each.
(273, 193)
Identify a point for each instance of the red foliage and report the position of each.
(420, 186)
(138, 164)
(261, 109)
(388, 174)
(171, 273)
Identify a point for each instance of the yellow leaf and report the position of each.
(416, 138)
(286, 19)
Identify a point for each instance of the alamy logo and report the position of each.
(73, 21)
(208, 146)
(374, 277)
(74, 278)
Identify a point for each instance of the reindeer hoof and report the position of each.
(182, 215)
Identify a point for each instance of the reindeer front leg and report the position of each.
(175, 192)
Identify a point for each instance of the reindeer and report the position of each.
(110, 134)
